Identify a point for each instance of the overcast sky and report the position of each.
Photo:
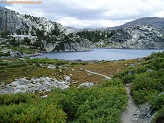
(93, 13)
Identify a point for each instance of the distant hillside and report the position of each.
(137, 37)
(28, 32)
(155, 22)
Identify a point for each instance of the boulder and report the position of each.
(67, 79)
(86, 84)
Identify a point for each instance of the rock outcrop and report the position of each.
(18, 23)
(39, 33)
(26, 31)
(40, 85)
(137, 37)
(155, 22)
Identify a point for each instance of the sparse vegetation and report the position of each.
(148, 82)
(98, 104)
(102, 103)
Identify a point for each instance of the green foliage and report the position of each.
(147, 79)
(158, 116)
(18, 31)
(4, 54)
(48, 61)
(158, 102)
(8, 99)
(16, 64)
(5, 34)
(113, 83)
(40, 34)
(13, 42)
(41, 111)
(96, 36)
(79, 63)
(143, 96)
(97, 104)
(27, 41)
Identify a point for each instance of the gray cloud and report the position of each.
(93, 13)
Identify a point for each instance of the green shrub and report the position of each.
(113, 82)
(48, 61)
(158, 102)
(32, 113)
(4, 54)
(8, 99)
(158, 116)
(16, 64)
(95, 104)
(128, 78)
(143, 96)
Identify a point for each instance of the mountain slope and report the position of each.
(27, 34)
(137, 37)
(155, 22)
(38, 33)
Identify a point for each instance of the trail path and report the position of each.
(107, 77)
(131, 108)
(127, 115)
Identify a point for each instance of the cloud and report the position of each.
(93, 13)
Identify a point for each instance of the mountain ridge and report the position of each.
(20, 31)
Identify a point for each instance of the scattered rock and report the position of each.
(2, 84)
(40, 85)
(86, 84)
(51, 66)
(143, 114)
(67, 79)
(130, 72)
(81, 69)
(72, 69)
(44, 96)
(149, 70)
(132, 65)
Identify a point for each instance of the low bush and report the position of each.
(158, 102)
(16, 64)
(48, 61)
(158, 116)
(97, 104)
(8, 99)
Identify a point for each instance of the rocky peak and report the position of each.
(18, 23)
(138, 37)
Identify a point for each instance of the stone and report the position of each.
(86, 84)
(130, 72)
(67, 78)
(2, 84)
(40, 85)
(137, 37)
(51, 66)
(19, 91)
(149, 70)
(72, 69)
(7, 90)
(45, 96)
(81, 69)
(62, 86)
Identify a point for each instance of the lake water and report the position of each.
(100, 54)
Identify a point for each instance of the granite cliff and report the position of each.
(38, 32)
(24, 34)
(138, 37)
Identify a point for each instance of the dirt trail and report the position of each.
(107, 77)
(127, 116)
